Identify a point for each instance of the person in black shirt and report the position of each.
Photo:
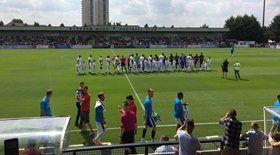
(177, 60)
(196, 61)
(201, 58)
(225, 68)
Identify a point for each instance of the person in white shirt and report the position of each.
(84, 66)
(108, 61)
(78, 68)
(131, 63)
(141, 62)
(146, 64)
(100, 59)
(161, 60)
(90, 63)
(165, 148)
(79, 60)
(188, 144)
(116, 63)
(256, 137)
(150, 63)
(93, 67)
(209, 63)
(204, 65)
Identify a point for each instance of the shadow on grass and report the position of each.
(233, 79)
(87, 139)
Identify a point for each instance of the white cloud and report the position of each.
(187, 13)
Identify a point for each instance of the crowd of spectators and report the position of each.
(107, 41)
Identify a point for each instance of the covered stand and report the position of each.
(49, 135)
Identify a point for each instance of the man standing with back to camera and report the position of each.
(231, 138)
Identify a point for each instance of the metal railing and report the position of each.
(210, 145)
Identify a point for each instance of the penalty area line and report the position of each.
(173, 125)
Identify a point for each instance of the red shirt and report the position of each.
(123, 60)
(132, 107)
(30, 152)
(128, 121)
(85, 102)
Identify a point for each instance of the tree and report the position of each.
(204, 26)
(172, 26)
(49, 25)
(273, 31)
(25, 24)
(61, 25)
(1, 23)
(84, 25)
(36, 24)
(17, 21)
(146, 26)
(244, 28)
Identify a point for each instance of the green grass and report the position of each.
(27, 73)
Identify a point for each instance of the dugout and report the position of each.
(49, 135)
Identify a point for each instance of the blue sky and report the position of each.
(182, 13)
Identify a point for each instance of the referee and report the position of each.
(128, 127)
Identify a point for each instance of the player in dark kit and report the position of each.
(225, 68)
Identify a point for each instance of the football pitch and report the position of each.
(27, 73)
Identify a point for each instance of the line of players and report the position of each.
(141, 64)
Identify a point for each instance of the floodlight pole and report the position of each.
(263, 13)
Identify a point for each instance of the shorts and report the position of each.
(180, 121)
(85, 116)
(150, 122)
(123, 64)
(225, 70)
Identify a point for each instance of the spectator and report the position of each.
(31, 148)
(165, 148)
(99, 118)
(276, 120)
(45, 104)
(188, 144)
(232, 132)
(256, 137)
(274, 140)
(128, 127)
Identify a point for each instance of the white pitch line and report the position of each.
(173, 125)
(136, 94)
(134, 91)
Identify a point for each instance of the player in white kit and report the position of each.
(90, 63)
(116, 63)
(108, 62)
(100, 59)
(209, 63)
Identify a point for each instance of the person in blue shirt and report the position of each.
(232, 50)
(45, 105)
(148, 118)
(99, 118)
(178, 110)
(276, 120)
